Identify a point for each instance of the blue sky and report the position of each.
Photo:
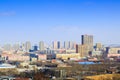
(63, 20)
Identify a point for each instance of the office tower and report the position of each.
(56, 45)
(82, 50)
(66, 45)
(27, 46)
(41, 46)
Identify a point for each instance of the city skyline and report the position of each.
(59, 20)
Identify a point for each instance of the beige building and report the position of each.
(41, 46)
(83, 50)
(71, 51)
(56, 45)
(98, 46)
(27, 46)
(87, 40)
(66, 56)
(114, 50)
(103, 77)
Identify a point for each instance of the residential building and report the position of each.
(98, 46)
(27, 46)
(71, 45)
(87, 45)
(83, 50)
(41, 46)
(87, 40)
(66, 45)
(56, 45)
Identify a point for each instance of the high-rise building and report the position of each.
(74, 47)
(86, 47)
(35, 48)
(82, 50)
(27, 46)
(66, 45)
(56, 45)
(41, 46)
(59, 45)
(71, 45)
(87, 40)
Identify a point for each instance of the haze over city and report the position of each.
(62, 20)
(59, 40)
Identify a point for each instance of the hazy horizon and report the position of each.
(61, 20)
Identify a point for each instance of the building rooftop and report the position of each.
(5, 65)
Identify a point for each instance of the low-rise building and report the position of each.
(68, 56)
(15, 57)
(46, 56)
(97, 53)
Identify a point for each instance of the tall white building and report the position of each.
(41, 46)
(27, 46)
(66, 44)
(72, 45)
(56, 45)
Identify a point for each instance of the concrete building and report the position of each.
(35, 48)
(66, 45)
(113, 51)
(87, 40)
(83, 50)
(97, 53)
(41, 46)
(27, 46)
(71, 45)
(15, 57)
(59, 45)
(74, 45)
(46, 56)
(87, 45)
(98, 46)
(56, 45)
(67, 56)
